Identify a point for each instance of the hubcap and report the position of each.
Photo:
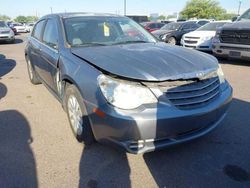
(30, 69)
(172, 41)
(75, 115)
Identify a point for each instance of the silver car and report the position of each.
(6, 33)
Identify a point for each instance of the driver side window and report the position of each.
(50, 36)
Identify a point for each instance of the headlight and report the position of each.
(221, 75)
(125, 94)
(163, 37)
(206, 38)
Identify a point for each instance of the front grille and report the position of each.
(235, 48)
(190, 42)
(4, 32)
(187, 46)
(235, 37)
(194, 94)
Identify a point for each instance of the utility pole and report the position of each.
(239, 7)
(51, 10)
(125, 7)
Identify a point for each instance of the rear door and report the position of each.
(35, 48)
(50, 54)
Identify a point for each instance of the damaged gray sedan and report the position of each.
(120, 86)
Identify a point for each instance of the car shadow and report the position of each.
(101, 166)
(17, 162)
(219, 159)
(3, 91)
(6, 65)
(17, 41)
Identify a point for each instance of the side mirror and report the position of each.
(234, 18)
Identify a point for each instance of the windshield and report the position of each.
(3, 24)
(245, 16)
(90, 31)
(172, 26)
(211, 26)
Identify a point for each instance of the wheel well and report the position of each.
(65, 83)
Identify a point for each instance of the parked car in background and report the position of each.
(20, 28)
(173, 32)
(166, 21)
(12, 27)
(6, 33)
(233, 40)
(29, 27)
(152, 26)
(201, 39)
(202, 22)
(131, 91)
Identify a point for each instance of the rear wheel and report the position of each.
(77, 115)
(32, 74)
(172, 41)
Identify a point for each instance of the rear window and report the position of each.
(37, 32)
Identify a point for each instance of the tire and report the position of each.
(81, 130)
(172, 41)
(32, 74)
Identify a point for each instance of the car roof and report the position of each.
(79, 14)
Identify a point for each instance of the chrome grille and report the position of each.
(190, 42)
(194, 94)
(235, 37)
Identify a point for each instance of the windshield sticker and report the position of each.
(106, 30)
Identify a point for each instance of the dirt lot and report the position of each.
(37, 147)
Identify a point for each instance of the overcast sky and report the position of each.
(141, 7)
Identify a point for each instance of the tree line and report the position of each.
(202, 9)
(20, 19)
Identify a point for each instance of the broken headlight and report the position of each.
(124, 94)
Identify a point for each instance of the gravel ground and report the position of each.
(37, 147)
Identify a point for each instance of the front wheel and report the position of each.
(172, 41)
(77, 115)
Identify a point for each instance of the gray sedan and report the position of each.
(6, 33)
(120, 86)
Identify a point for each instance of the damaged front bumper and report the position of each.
(154, 127)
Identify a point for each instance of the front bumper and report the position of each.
(236, 51)
(6, 37)
(197, 44)
(156, 127)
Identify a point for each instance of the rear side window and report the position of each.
(203, 22)
(50, 36)
(195, 26)
(37, 32)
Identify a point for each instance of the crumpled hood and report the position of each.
(149, 61)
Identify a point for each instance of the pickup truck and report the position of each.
(233, 40)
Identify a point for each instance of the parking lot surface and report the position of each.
(37, 147)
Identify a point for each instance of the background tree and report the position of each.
(21, 19)
(4, 18)
(162, 17)
(24, 19)
(227, 16)
(202, 9)
(31, 18)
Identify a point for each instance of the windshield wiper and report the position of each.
(131, 41)
(90, 44)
